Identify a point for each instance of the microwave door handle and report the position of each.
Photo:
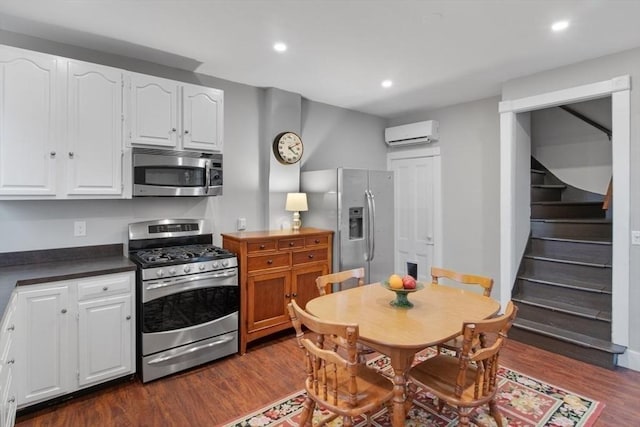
(207, 177)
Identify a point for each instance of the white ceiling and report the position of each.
(437, 52)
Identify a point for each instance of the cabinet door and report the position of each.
(267, 298)
(304, 286)
(42, 353)
(153, 111)
(94, 131)
(202, 118)
(28, 123)
(105, 333)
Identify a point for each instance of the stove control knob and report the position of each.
(215, 264)
(160, 273)
(201, 267)
(172, 271)
(187, 268)
(225, 263)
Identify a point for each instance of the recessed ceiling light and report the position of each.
(386, 83)
(560, 25)
(279, 47)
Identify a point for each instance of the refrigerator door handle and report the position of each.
(371, 240)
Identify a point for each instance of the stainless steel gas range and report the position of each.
(187, 292)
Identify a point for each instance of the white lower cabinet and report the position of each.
(7, 359)
(73, 334)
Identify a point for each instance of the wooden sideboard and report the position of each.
(275, 267)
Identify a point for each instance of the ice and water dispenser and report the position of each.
(356, 228)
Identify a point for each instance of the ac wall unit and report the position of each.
(413, 133)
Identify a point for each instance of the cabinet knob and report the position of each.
(269, 261)
(261, 246)
(186, 132)
(63, 311)
(106, 288)
(287, 296)
(128, 317)
(12, 399)
(11, 328)
(71, 154)
(294, 295)
(317, 241)
(173, 129)
(291, 243)
(310, 256)
(52, 154)
(11, 361)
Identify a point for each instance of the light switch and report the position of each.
(242, 224)
(80, 228)
(635, 237)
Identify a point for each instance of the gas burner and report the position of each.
(176, 254)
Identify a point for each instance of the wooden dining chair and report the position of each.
(486, 283)
(325, 286)
(335, 382)
(467, 380)
(325, 283)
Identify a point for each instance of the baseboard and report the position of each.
(630, 359)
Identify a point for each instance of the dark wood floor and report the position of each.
(236, 385)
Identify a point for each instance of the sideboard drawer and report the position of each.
(309, 256)
(262, 262)
(316, 241)
(291, 243)
(267, 245)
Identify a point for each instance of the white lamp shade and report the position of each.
(296, 202)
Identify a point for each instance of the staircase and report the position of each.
(563, 287)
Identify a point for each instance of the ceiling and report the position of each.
(437, 53)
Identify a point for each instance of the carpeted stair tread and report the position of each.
(567, 336)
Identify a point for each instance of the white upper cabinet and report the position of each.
(94, 131)
(60, 127)
(153, 111)
(202, 118)
(29, 125)
(174, 115)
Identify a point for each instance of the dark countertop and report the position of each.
(33, 267)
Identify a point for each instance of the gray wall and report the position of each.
(470, 154)
(29, 225)
(599, 69)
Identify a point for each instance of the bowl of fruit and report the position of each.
(402, 286)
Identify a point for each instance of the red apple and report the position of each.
(408, 282)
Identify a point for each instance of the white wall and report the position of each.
(469, 148)
(30, 225)
(596, 70)
(574, 151)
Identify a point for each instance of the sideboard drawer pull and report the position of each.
(261, 246)
(310, 256)
(269, 261)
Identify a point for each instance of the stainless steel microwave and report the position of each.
(176, 173)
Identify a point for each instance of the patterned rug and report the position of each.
(523, 402)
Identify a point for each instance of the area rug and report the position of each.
(523, 402)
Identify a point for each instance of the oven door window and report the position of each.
(189, 308)
(169, 176)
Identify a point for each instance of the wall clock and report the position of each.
(288, 148)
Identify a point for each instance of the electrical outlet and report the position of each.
(242, 224)
(80, 228)
(635, 237)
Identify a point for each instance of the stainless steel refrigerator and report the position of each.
(358, 205)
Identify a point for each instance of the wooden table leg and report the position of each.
(401, 362)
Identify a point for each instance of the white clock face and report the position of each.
(289, 148)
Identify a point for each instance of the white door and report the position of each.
(202, 118)
(153, 111)
(105, 333)
(28, 123)
(42, 344)
(414, 214)
(94, 131)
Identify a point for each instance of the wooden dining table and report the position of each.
(436, 316)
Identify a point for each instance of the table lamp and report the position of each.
(296, 202)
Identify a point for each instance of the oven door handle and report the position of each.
(228, 273)
(222, 340)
